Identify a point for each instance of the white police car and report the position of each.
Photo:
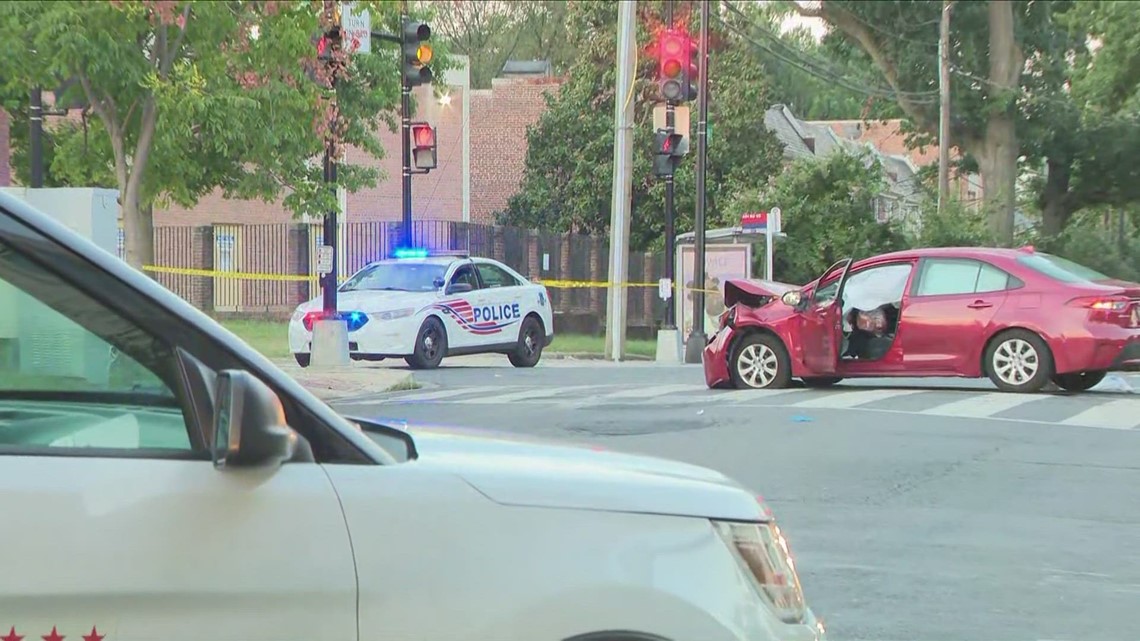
(423, 307)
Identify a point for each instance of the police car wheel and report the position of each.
(529, 350)
(760, 361)
(302, 359)
(431, 345)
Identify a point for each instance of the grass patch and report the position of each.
(271, 338)
(405, 385)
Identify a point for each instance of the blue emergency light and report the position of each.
(410, 252)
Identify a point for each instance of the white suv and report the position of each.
(162, 480)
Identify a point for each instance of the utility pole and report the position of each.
(670, 212)
(944, 108)
(695, 345)
(35, 138)
(622, 181)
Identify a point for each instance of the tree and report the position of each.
(195, 96)
(492, 32)
(900, 38)
(1026, 94)
(828, 210)
(566, 183)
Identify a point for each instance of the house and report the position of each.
(902, 196)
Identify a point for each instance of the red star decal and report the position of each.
(11, 636)
(94, 636)
(54, 636)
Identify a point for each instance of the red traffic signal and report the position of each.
(423, 145)
(676, 70)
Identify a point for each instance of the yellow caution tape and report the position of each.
(211, 273)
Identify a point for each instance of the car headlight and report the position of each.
(393, 314)
(763, 551)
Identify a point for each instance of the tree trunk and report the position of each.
(998, 159)
(138, 232)
(997, 162)
(1054, 202)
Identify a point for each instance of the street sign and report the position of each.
(324, 259)
(775, 220)
(665, 288)
(356, 27)
(754, 221)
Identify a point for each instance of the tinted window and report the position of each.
(1060, 269)
(961, 276)
(494, 276)
(465, 274)
(64, 386)
(404, 277)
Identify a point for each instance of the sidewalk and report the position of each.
(358, 379)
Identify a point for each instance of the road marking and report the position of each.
(1123, 414)
(526, 394)
(840, 400)
(744, 395)
(649, 392)
(982, 405)
(446, 393)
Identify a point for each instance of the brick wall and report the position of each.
(499, 121)
(5, 151)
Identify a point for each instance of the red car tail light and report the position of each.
(1105, 309)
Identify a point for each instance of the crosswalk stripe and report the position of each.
(981, 405)
(449, 393)
(650, 392)
(840, 400)
(1123, 414)
(527, 394)
(744, 395)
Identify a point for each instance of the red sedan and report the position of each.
(1020, 317)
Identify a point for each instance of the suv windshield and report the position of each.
(401, 277)
(1060, 268)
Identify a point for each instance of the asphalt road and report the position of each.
(932, 510)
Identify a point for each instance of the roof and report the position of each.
(527, 68)
(950, 252)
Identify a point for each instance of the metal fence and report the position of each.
(269, 258)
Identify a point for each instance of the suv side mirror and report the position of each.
(459, 288)
(249, 423)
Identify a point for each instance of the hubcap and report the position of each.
(1016, 361)
(429, 344)
(757, 365)
(529, 342)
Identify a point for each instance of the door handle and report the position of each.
(979, 304)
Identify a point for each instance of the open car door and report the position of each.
(821, 332)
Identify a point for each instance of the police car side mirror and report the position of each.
(459, 288)
(249, 423)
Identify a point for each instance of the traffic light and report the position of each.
(677, 69)
(423, 146)
(416, 53)
(330, 39)
(666, 151)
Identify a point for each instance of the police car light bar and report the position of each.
(420, 252)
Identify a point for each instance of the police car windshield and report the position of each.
(400, 277)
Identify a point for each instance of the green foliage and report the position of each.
(828, 215)
(958, 226)
(195, 96)
(567, 183)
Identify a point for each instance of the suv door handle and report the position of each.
(979, 304)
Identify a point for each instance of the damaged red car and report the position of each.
(1017, 316)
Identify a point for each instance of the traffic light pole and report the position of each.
(695, 345)
(670, 232)
(406, 153)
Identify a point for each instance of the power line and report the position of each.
(822, 70)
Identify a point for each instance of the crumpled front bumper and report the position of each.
(715, 358)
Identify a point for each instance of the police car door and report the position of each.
(462, 300)
(503, 309)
